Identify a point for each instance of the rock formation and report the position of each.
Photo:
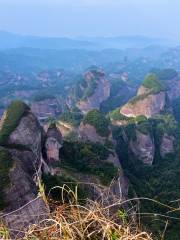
(143, 147)
(22, 148)
(150, 99)
(53, 143)
(167, 145)
(91, 91)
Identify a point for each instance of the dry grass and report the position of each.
(92, 221)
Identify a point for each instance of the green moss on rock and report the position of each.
(153, 83)
(11, 119)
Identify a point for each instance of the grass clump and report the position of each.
(6, 164)
(93, 221)
(11, 119)
(98, 121)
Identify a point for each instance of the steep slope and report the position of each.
(147, 137)
(91, 91)
(150, 99)
(21, 138)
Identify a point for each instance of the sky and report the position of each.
(74, 18)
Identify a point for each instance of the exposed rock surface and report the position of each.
(173, 88)
(148, 106)
(28, 134)
(25, 146)
(143, 147)
(119, 187)
(53, 143)
(88, 132)
(167, 145)
(100, 94)
(31, 213)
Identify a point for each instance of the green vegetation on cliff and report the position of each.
(11, 119)
(73, 117)
(85, 88)
(153, 83)
(88, 158)
(116, 115)
(6, 164)
(159, 181)
(97, 120)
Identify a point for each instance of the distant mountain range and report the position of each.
(11, 40)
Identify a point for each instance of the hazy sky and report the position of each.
(159, 18)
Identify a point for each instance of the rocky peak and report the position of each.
(150, 99)
(92, 90)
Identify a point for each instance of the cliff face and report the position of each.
(147, 105)
(53, 144)
(143, 148)
(150, 99)
(96, 89)
(167, 145)
(119, 186)
(173, 88)
(88, 132)
(23, 149)
(101, 93)
(28, 134)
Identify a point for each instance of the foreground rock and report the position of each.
(22, 151)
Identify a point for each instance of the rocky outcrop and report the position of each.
(53, 143)
(167, 145)
(147, 105)
(23, 150)
(118, 189)
(101, 92)
(28, 134)
(88, 132)
(150, 100)
(143, 148)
